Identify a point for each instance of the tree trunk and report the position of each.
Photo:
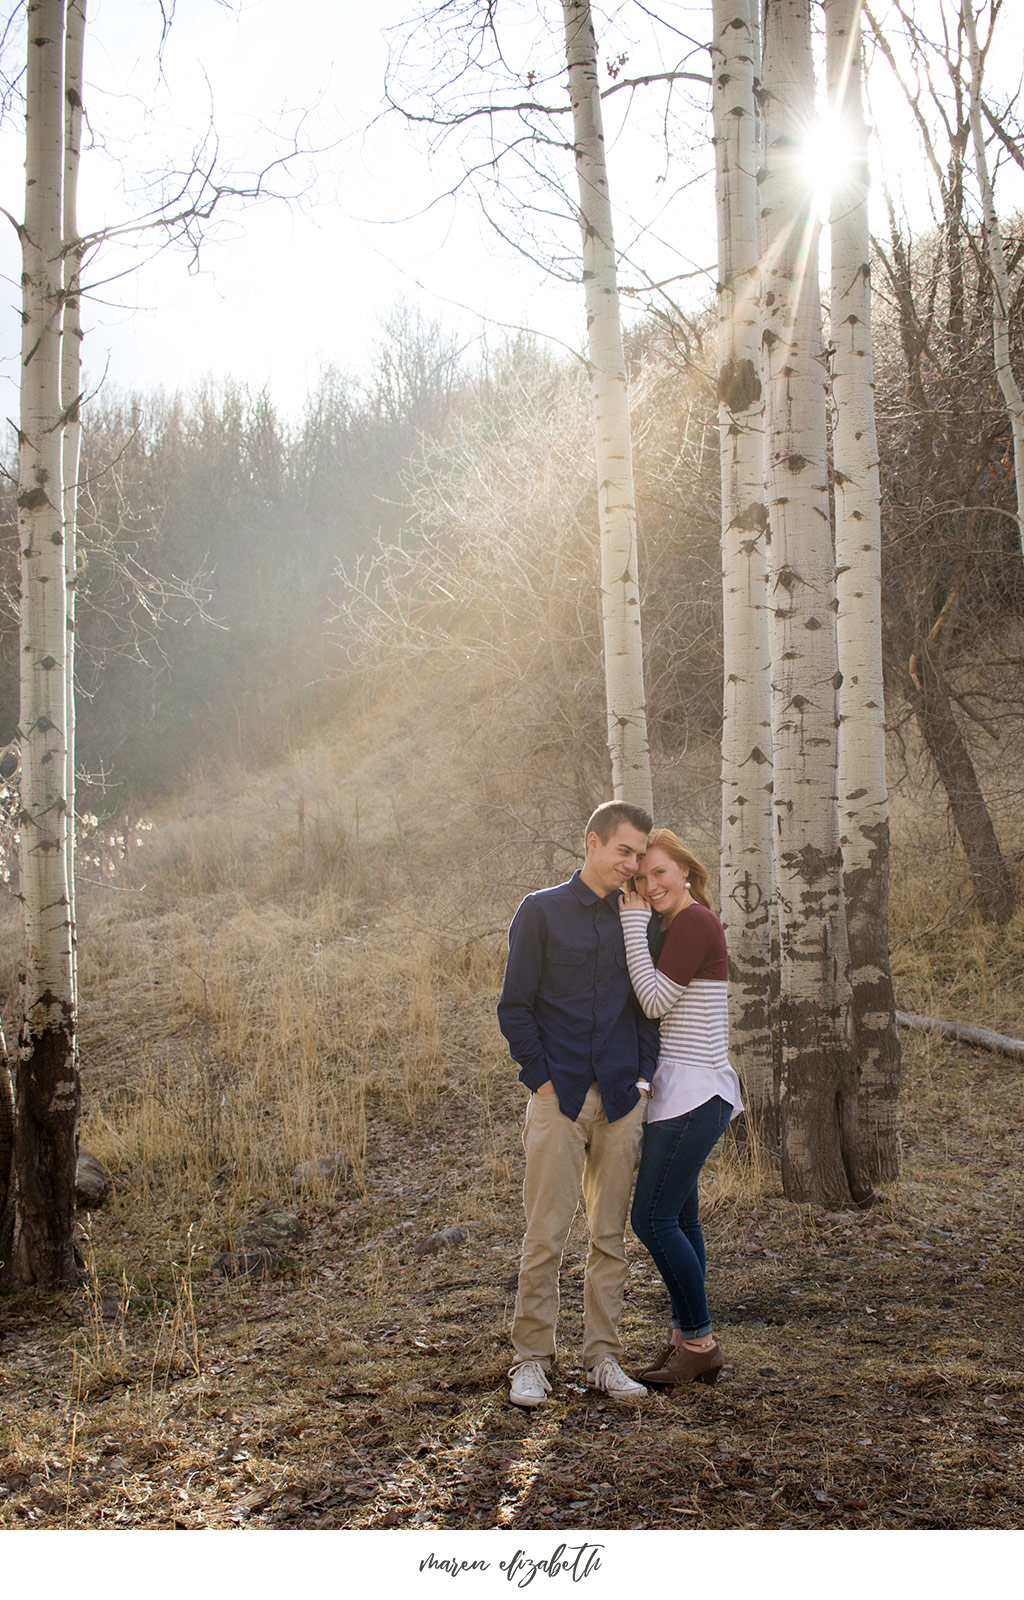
(863, 792)
(1001, 291)
(620, 595)
(746, 857)
(820, 1138)
(6, 1149)
(71, 400)
(40, 1248)
(933, 708)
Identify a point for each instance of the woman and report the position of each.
(694, 1094)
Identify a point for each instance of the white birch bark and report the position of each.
(745, 875)
(71, 380)
(40, 526)
(863, 792)
(817, 1099)
(47, 1098)
(620, 595)
(1001, 292)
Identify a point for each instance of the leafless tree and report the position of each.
(944, 504)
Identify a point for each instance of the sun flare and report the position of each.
(827, 159)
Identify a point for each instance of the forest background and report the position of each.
(340, 707)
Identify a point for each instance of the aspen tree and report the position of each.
(863, 793)
(746, 858)
(819, 1136)
(71, 402)
(620, 596)
(38, 1242)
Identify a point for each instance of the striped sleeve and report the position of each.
(656, 992)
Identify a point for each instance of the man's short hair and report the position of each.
(610, 816)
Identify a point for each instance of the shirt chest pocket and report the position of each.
(565, 971)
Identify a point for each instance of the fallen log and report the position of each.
(981, 1038)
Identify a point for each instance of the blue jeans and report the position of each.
(664, 1214)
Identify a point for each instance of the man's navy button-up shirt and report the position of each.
(567, 1006)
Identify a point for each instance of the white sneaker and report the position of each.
(529, 1386)
(609, 1377)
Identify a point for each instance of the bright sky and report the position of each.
(282, 290)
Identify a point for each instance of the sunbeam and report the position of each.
(826, 159)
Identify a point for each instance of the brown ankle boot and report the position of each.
(657, 1361)
(688, 1366)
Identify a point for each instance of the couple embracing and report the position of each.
(592, 965)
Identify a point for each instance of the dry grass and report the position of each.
(283, 977)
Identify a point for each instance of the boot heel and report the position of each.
(710, 1376)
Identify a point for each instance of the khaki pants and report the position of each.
(563, 1157)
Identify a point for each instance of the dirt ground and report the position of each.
(873, 1378)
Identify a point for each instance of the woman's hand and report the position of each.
(632, 900)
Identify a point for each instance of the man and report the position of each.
(586, 1052)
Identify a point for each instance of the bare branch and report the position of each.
(657, 77)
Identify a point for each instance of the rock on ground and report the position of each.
(93, 1184)
(325, 1169)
